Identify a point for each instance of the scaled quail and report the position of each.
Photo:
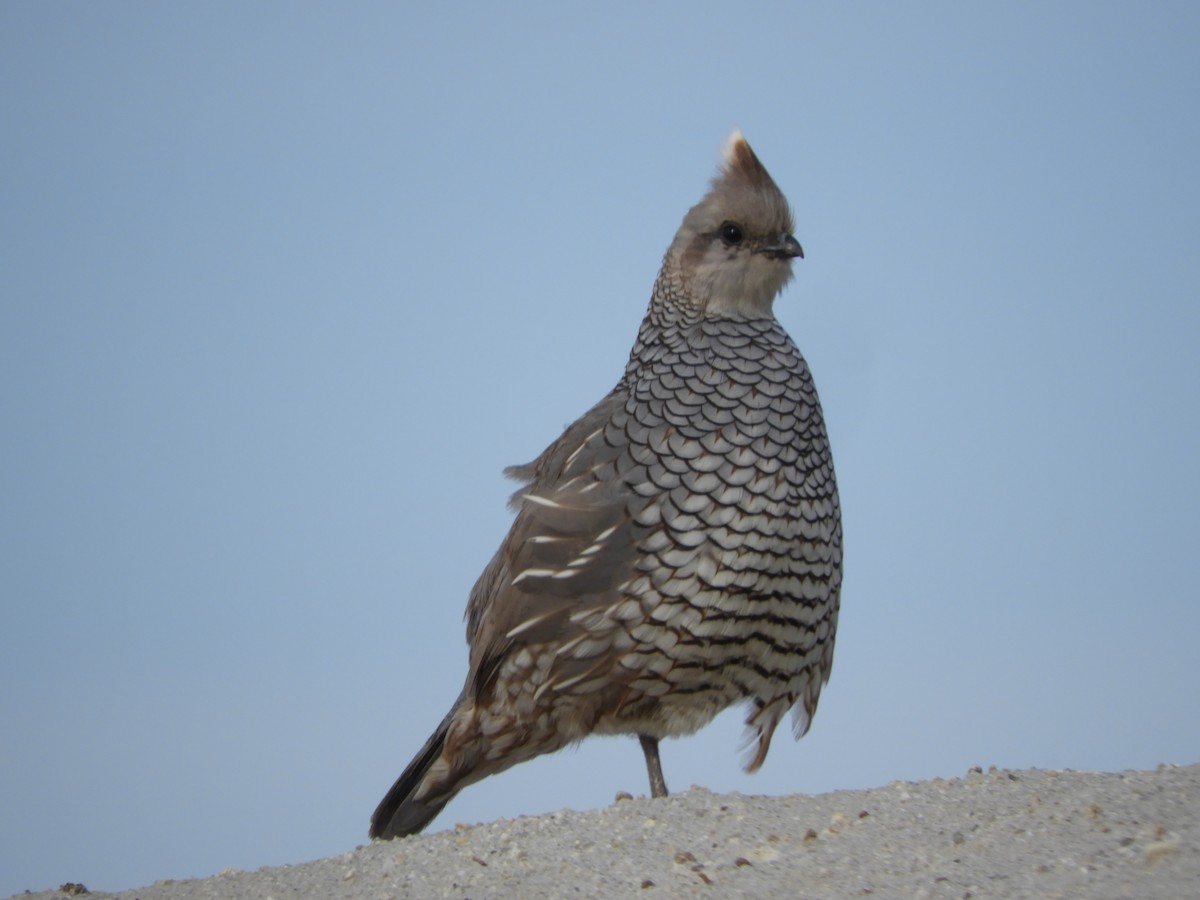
(678, 549)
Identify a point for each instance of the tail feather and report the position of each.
(398, 814)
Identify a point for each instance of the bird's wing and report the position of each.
(570, 548)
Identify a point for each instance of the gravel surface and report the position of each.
(990, 833)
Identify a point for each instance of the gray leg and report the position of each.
(658, 786)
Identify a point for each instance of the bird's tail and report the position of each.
(398, 813)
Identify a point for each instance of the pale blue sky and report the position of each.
(285, 286)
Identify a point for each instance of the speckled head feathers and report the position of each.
(745, 180)
(732, 254)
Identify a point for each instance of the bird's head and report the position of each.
(734, 250)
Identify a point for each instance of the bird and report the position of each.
(678, 549)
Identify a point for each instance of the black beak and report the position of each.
(782, 247)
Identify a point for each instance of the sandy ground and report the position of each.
(988, 834)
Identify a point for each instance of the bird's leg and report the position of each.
(658, 786)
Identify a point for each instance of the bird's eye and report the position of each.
(731, 233)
